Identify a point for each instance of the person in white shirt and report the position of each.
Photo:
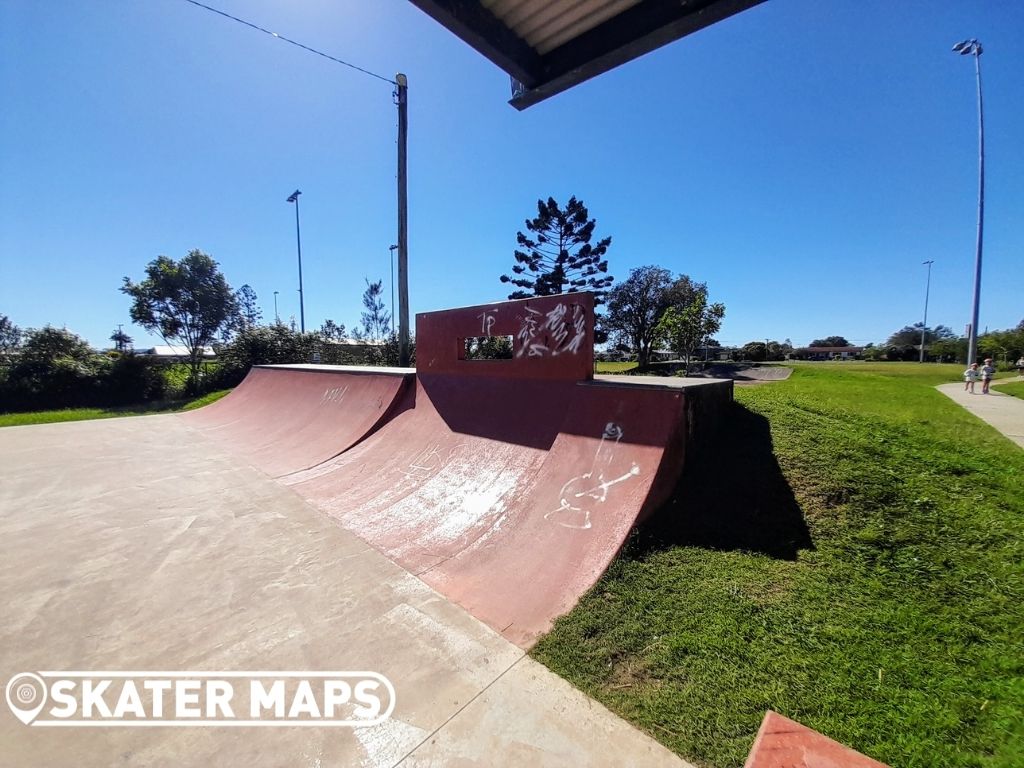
(987, 372)
(970, 376)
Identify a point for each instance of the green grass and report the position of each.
(850, 555)
(84, 414)
(1015, 388)
(613, 367)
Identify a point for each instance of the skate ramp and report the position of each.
(285, 418)
(509, 485)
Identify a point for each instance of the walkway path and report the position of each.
(136, 544)
(1004, 412)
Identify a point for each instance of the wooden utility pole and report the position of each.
(402, 92)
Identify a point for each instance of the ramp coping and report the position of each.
(357, 369)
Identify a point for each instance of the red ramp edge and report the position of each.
(785, 743)
(511, 484)
(286, 418)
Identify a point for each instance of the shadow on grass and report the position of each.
(731, 496)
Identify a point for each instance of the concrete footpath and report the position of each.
(1004, 412)
(136, 544)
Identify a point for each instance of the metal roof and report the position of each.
(548, 46)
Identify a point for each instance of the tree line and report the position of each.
(189, 303)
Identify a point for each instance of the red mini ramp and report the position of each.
(284, 418)
(785, 743)
(511, 484)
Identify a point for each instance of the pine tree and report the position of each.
(556, 256)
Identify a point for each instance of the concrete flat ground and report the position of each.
(1004, 412)
(135, 544)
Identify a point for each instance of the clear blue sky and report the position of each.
(803, 158)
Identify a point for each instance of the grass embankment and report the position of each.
(849, 555)
(83, 414)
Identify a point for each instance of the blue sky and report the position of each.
(803, 158)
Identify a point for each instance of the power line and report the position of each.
(293, 42)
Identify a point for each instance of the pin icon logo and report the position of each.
(26, 696)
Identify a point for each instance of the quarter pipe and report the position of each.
(506, 484)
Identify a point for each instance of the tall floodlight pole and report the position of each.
(277, 317)
(402, 96)
(392, 249)
(294, 198)
(927, 288)
(974, 48)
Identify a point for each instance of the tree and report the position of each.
(684, 326)
(10, 336)
(249, 312)
(635, 306)
(264, 345)
(332, 331)
(910, 335)
(948, 350)
(187, 301)
(829, 341)
(755, 351)
(54, 369)
(376, 319)
(122, 341)
(489, 348)
(557, 256)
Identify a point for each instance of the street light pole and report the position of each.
(277, 317)
(294, 198)
(402, 96)
(927, 288)
(974, 48)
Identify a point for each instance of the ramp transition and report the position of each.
(285, 418)
(509, 485)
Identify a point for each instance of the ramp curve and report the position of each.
(511, 484)
(286, 418)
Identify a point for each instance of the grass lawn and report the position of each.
(613, 367)
(851, 555)
(1015, 388)
(82, 414)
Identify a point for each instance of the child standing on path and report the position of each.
(970, 376)
(987, 372)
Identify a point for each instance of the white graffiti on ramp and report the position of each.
(573, 506)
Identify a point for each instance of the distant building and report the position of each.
(174, 352)
(827, 353)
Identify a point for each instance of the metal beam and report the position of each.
(481, 29)
(634, 32)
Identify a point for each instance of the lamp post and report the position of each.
(927, 288)
(392, 249)
(974, 48)
(294, 198)
(277, 317)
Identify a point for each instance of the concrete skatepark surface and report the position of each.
(140, 544)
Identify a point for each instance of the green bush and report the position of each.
(132, 379)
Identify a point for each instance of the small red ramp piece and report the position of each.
(285, 418)
(511, 484)
(784, 743)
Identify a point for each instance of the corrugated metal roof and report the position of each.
(547, 46)
(545, 24)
